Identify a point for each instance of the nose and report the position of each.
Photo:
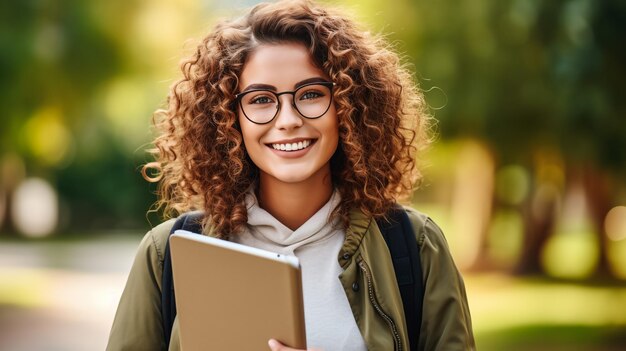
(288, 117)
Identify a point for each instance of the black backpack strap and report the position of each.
(400, 238)
(191, 222)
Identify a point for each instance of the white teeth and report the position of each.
(293, 146)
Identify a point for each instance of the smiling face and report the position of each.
(290, 148)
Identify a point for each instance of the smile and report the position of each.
(296, 146)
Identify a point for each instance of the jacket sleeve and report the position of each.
(446, 321)
(137, 324)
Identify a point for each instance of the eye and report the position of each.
(311, 94)
(259, 99)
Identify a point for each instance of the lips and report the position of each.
(292, 145)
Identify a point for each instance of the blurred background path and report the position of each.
(61, 295)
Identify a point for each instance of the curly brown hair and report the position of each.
(200, 159)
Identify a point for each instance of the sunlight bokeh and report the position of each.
(35, 208)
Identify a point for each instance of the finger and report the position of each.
(275, 345)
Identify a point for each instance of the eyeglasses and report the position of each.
(311, 100)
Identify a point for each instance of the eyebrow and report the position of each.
(273, 88)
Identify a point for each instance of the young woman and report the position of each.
(292, 130)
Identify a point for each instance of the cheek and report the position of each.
(251, 134)
(332, 130)
(332, 134)
(248, 131)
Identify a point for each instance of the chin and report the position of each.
(289, 177)
(294, 174)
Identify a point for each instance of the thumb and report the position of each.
(274, 345)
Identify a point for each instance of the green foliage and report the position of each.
(106, 191)
(53, 54)
(521, 74)
(55, 59)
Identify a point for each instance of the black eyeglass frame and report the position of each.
(329, 85)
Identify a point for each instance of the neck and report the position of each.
(294, 203)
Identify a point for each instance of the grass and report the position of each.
(554, 338)
(513, 313)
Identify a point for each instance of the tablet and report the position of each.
(235, 297)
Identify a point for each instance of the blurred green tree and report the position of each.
(531, 78)
(55, 58)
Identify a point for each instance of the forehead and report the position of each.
(280, 65)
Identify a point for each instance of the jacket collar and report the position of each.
(359, 224)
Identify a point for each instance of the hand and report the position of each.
(277, 346)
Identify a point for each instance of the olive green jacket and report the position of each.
(375, 298)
